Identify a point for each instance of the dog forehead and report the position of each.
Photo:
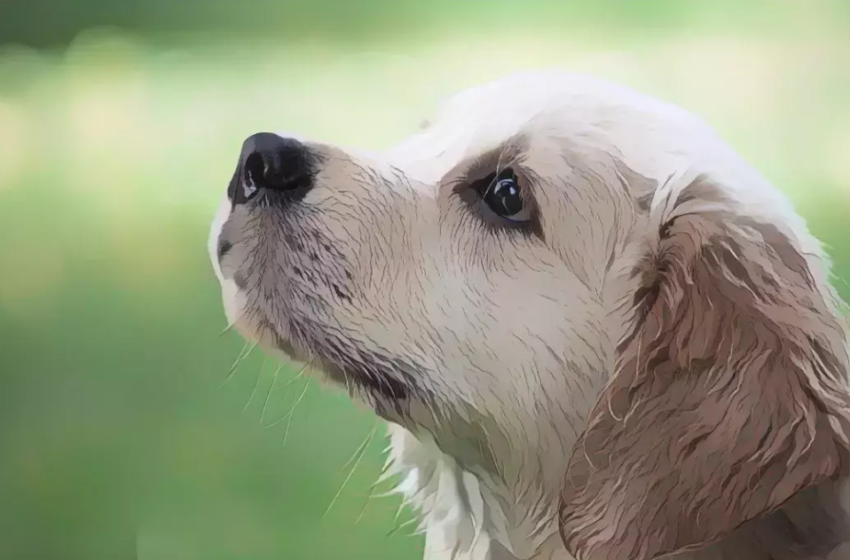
(508, 101)
(516, 99)
(533, 104)
(469, 123)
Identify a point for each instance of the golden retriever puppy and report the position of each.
(595, 332)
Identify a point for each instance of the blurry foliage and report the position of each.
(119, 437)
(51, 23)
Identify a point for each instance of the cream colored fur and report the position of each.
(507, 339)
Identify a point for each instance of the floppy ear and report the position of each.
(729, 394)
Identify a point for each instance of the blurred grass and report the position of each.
(117, 438)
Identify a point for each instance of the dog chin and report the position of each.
(362, 382)
(287, 352)
(382, 390)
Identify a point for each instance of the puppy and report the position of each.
(595, 332)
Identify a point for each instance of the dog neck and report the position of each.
(489, 490)
(470, 516)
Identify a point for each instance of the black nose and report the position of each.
(273, 163)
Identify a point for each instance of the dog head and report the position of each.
(556, 273)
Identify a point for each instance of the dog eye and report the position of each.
(502, 193)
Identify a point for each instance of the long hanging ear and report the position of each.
(729, 396)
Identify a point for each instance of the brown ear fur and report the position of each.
(729, 394)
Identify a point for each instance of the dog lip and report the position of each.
(286, 347)
(380, 383)
(384, 385)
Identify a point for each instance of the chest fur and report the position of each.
(471, 515)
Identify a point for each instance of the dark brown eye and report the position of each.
(502, 193)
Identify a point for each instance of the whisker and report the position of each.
(365, 505)
(295, 378)
(228, 328)
(256, 384)
(298, 375)
(365, 442)
(271, 390)
(368, 498)
(292, 414)
(361, 451)
(246, 350)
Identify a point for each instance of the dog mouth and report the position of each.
(386, 383)
(385, 386)
(391, 381)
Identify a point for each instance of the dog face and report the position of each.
(405, 275)
(556, 264)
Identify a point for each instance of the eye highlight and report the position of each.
(502, 193)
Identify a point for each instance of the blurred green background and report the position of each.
(120, 122)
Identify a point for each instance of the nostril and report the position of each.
(272, 163)
(276, 163)
(260, 172)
